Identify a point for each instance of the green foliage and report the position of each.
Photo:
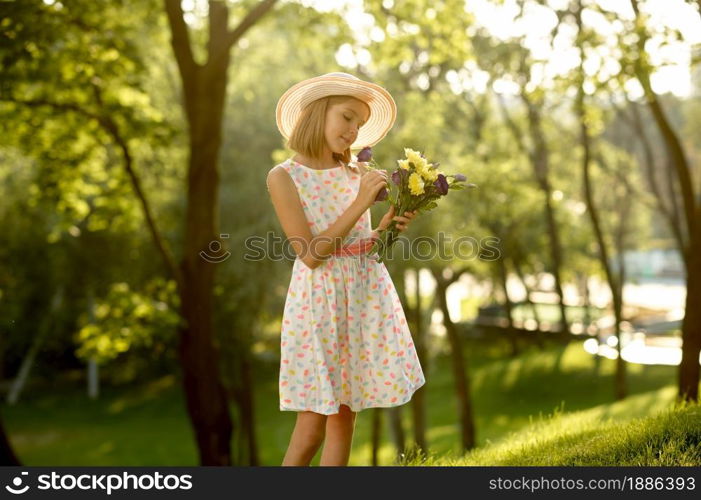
(127, 321)
(421, 38)
(69, 68)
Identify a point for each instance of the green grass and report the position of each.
(601, 436)
(60, 425)
(147, 424)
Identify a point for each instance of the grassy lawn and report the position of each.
(601, 436)
(147, 424)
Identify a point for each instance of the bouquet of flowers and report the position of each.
(416, 185)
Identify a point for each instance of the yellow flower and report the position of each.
(416, 184)
(403, 164)
(408, 152)
(423, 169)
(415, 158)
(430, 174)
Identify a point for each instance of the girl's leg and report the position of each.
(339, 436)
(306, 438)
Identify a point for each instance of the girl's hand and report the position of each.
(370, 184)
(402, 221)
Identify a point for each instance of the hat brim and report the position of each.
(383, 110)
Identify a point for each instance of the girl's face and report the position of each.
(343, 119)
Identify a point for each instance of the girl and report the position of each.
(345, 343)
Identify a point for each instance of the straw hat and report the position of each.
(383, 110)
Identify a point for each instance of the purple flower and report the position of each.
(441, 184)
(365, 154)
(398, 176)
(382, 195)
(460, 177)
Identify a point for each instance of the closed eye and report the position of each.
(349, 118)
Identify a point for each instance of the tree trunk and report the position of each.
(691, 325)
(539, 158)
(592, 210)
(460, 372)
(3, 348)
(418, 400)
(206, 398)
(586, 301)
(7, 454)
(93, 368)
(397, 429)
(376, 435)
(625, 207)
(22, 377)
(395, 413)
(204, 392)
(529, 301)
(508, 306)
(540, 161)
(246, 406)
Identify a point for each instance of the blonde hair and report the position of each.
(307, 137)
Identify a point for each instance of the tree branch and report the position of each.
(251, 18)
(111, 126)
(670, 213)
(180, 41)
(513, 127)
(108, 124)
(642, 197)
(674, 147)
(218, 44)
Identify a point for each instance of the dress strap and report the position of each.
(353, 165)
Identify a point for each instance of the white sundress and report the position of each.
(344, 336)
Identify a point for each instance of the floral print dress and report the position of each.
(344, 336)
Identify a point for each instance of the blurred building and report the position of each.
(652, 264)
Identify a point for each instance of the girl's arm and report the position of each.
(312, 250)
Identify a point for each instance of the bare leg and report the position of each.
(339, 436)
(306, 438)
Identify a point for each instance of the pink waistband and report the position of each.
(360, 247)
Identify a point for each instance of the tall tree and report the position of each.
(691, 326)
(615, 282)
(538, 153)
(204, 92)
(418, 403)
(461, 376)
